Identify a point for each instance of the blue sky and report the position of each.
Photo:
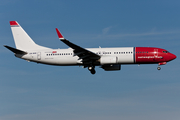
(41, 92)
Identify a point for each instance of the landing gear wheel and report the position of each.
(159, 68)
(93, 71)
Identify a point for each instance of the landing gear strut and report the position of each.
(91, 69)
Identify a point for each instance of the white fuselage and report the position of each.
(65, 57)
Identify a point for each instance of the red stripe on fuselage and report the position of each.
(145, 55)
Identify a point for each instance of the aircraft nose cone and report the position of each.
(172, 57)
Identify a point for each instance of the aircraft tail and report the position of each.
(22, 39)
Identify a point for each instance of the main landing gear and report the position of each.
(92, 69)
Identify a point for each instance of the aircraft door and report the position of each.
(39, 56)
(155, 54)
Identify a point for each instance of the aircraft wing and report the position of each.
(82, 53)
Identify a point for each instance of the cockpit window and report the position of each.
(165, 52)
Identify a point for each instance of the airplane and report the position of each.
(109, 59)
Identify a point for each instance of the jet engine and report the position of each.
(111, 67)
(108, 60)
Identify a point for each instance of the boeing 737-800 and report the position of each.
(107, 58)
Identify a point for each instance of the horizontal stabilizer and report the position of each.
(14, 50)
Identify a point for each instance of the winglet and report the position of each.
(59, 35)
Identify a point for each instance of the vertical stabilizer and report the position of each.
(22, 39)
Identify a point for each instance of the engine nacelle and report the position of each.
(108, 60)
(111, 67)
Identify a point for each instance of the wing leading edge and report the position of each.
(84, 54)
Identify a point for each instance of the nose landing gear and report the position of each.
(162, 63)
(159, 68)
